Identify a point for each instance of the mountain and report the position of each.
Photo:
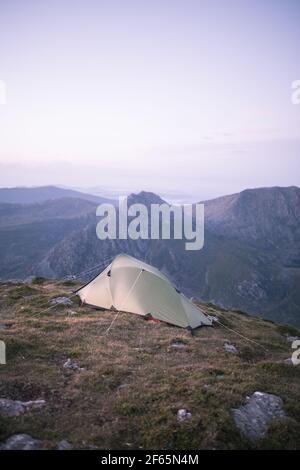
(253, 243)
(130, 383)
(269, 216)
(43, 193)
(28, 232)
(64, 208)
(250, 260)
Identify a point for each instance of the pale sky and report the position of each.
(186, 97)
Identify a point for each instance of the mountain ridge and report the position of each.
(250, 260)
(36, 194)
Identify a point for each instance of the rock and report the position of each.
(178, 345)
(11, 407)
(291, 339)
(122, 386)
(16, 407)
(182, 415)
(72, 312)
(206, 387)
(20, 442)
(253, 418)
(33, 404)
(64, 445)
(230, 347)
(72, 365)
(61, 301)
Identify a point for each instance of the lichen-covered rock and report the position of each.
(11, 407)
(72, 365)
(230, 347)
(253, 418)
(72, 312)
(20, 442)
(178, 344)
(61, 301)
(16, 408)
(64, 445)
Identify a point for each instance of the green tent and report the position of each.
(130, 285)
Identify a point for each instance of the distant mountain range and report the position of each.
(250, 260)
(33, 195)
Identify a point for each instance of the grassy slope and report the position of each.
(89, 408)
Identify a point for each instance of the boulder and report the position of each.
(253, 418)
(20, 442)
(16, 408)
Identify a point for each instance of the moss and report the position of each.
(70, 283)
(280, 369)
(55, 326)
(38, 280)
(251, 353)
(18, 347)
(288, 330)
(21, 292)
(131, 409)
(282, 434)
(5, 428)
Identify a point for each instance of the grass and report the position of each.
(134, 381)
(39, 280)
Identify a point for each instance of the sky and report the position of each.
(190, 99)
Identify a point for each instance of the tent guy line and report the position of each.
(129, 292)
(156, 297)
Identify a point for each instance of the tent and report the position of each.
(130, 285)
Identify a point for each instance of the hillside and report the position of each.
(250, 260)
(252, 254)
(28, 232)
(124, 389)
(24, 195)
(63, 208)
(269, 216)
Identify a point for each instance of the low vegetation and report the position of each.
(132, 381)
